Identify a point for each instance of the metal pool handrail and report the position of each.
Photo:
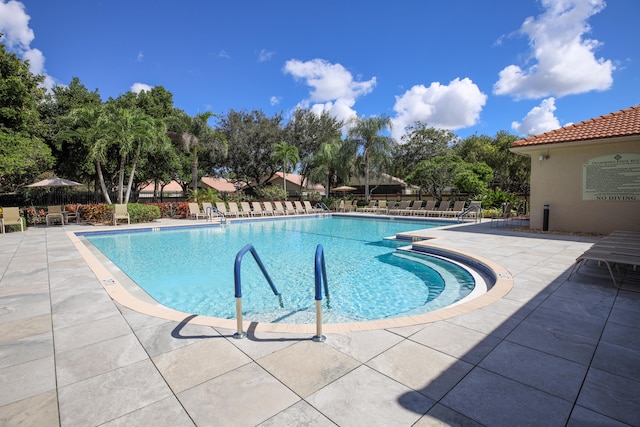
(320, 279)
(238, 284)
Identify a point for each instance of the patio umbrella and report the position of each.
(55, 182)
(344, 188)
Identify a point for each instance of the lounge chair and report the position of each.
(382, 207)
(121, 212)
(220, 207)
(369, 208)
(267, 208)
(400, 209)
(54, 213)
(289, 209)
(610, 256)
(429, 206)
(11, 216)
(415, 208)
(278, 208)
(299, 207)
(309, 208)
(458, 208)
(195, 212)
(257, 209)
(442, 207)
(246, 209)
(234, 210)
(72, 214)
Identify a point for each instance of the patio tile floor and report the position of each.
(552, 352)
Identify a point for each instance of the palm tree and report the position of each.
(133, 132)
(364, 134)
(87, 127)
(194, 133)
(333, 160)
(288, 156)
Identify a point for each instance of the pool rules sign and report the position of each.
(615, 178)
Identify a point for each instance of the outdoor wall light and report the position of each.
(544, 157)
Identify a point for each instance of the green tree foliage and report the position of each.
(511, 171)
(420, 143)
(196, 135)
(286, 155)
(251, 137)
(23, 155)
(162, 163)
(308, 131)
(364, 133)
(71, 153)
(332, 163)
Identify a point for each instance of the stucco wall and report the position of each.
(557, 181)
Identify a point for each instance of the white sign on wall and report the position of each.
(614, 177)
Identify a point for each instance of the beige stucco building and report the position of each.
(587, 173)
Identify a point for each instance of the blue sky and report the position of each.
(470, 66)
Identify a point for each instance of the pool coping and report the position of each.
(419, 238)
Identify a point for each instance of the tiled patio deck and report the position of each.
(552, 352)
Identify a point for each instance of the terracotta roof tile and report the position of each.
(621, 123)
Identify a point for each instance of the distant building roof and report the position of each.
(173, 186)
(619, 124)
(223, 185)
(298, 180)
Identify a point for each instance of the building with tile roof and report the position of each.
(588, 174)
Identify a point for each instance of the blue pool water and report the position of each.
(191, 270)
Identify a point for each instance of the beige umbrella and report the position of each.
(344, 188)
(55, 182)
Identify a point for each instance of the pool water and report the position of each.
(191, 270)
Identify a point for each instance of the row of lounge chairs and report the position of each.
(620, 249)
(419, 208)
(250, 209)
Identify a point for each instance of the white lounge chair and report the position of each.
(11, 216)
(121, 213)
(195, 212)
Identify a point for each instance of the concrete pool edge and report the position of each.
(120, 294)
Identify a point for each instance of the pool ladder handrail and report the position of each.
(238, 284)
(320, 273)
(213, 210)
(469, 210)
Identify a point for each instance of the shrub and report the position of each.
(143, 213)
(495, 199)
(97, 212)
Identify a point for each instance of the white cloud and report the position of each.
(275, 100)
(564, 61)
(333, 88)
(223, 54)
(14, 24)
(265, 55)
(453, 106)
(139, 87)
(139, 57)
(539, 120)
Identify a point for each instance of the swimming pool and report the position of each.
(191, 270)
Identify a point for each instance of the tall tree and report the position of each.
(420, 143)
(511, 171)
(332, 162)
(195, 134)
(365, 134)
(87, 125)
(23, 155)
(287, 155)
(308, 131)
(251, 137)
(70, 152)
